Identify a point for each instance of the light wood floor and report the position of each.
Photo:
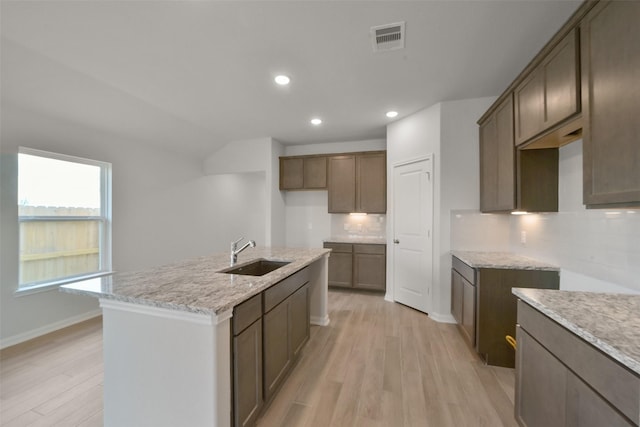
(376, 364)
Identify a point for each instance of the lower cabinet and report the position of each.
(357, 266)
(247, 374)
(269, 333)
(286, 330)
(485, 309)
(562, 381)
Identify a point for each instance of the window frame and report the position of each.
(104, 221)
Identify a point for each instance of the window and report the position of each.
(64, 208)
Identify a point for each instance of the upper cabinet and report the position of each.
(582, 84)
(510, 179)
(550, 93)
(358, 182)
(497, 160)
(610, 54)
(303, 173)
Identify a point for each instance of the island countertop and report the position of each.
(196, 285)
(502, 260)
(610, 322)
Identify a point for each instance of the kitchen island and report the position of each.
(167, 334)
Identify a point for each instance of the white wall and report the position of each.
(164, 209)
(308, 222)
(448, 131)
(597, 249)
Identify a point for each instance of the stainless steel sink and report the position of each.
(258, 267)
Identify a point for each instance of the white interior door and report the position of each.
(413, 240)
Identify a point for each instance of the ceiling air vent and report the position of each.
(388, 37)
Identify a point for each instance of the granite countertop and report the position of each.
(610, 322)
(502, 260)
(357, 239)
(195, 285)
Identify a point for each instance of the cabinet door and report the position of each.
(299, 316)
(341, 269)
(291, 174)
(371, 182)
(342, 184)
(585, 408)
(610, 42)
(561, 92)
(456, 296)
(529, 106)
(277, 354)
(369, 267)
(469, 311)
(247, 375)
(541, 385)
(497, 160)
(315, 173)
(550, 93)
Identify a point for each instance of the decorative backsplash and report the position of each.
(361, 225)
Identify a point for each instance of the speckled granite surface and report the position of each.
(610, 322)
(357, 239)
(501, 260)
(196, 285)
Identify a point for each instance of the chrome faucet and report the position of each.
(235, 251)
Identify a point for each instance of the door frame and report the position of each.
(389, 295)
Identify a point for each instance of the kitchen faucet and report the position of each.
(235, 251)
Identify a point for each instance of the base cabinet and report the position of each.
(286, 330)
(269, 333)
(562, 381)
(357, 266)
(247, 375)
(485, 309)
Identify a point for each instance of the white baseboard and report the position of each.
(34, 333)
(442, 318)
(319, 320)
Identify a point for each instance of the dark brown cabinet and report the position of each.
(497, 160)
(247, 361)
(340, 264)
(485, 309)
(610, 42)
(513, 179)
(286, 328)
(357, 266)
(550, 94)
(463, 304)
(561, 380)
(303, 173)
(358, 183)
(269, 332)
(369, 267)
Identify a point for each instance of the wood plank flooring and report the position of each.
(376, 364)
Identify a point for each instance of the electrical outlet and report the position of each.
(523, 237)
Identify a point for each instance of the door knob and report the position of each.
(396, 241)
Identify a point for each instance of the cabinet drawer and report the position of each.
(370, 249)
(615, 383)
(466, 271)
(281, 290)
(346, 248)
(246, 313)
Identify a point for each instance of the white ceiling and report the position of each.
(193, 75)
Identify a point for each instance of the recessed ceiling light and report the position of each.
(282, 80)
(392, 114)
(316, 122)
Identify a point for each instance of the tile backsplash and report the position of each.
(360, 225)
(603, 245)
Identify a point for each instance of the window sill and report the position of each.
(54, 285)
